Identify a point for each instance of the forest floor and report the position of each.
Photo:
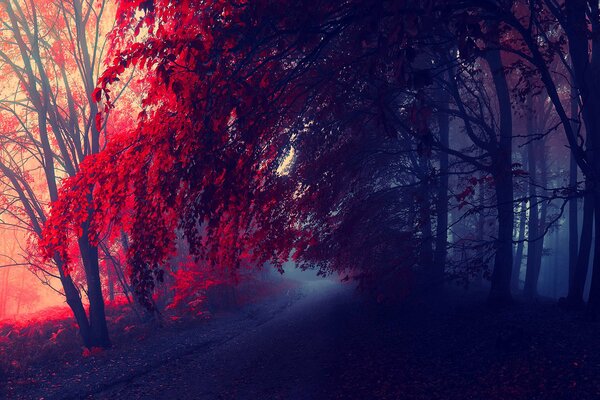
(321, 341)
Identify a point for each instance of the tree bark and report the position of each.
(74, 301)
(426, 252)
(537, 223)
(500, 283)
(518, 260)
(573, 214)
(441, 242)
(97, 318)
(577, 284)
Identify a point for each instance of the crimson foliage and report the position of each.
(268, 131)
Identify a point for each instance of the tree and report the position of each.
(52, 52)
(231, 98)
(565, 30)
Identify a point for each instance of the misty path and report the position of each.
(287, 354)
(162, 360)
(322, 341)
(331, 344)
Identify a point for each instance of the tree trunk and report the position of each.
(500, 284)
(586, 70)
(556, 264)
(537, 223)
(518, 260)
(480, 235)
(594, 300)
(89, 255)
(441, 242)
(531, 273)
(110, 278)
(577, 284)
(573, 234)
(74, 301)
(500, 289)
(426, 254)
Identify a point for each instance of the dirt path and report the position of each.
(170, 361)
(330, 344)
(286, 356)
(321, 341)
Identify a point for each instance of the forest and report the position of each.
(299, 199)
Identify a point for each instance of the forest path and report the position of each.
(182, 363)
(322, 341)
(283, 349)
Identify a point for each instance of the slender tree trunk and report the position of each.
(530, 288)
(573, 231)
(480, 235)
(577, 284)
(573, 228)
(594, 300)
(500, 290)
(441, 242)
(537, 223)
(426, 254)
(556, 264)
(110, 280)
(518, 260)
(500, 284)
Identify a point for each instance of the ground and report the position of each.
(322, 341)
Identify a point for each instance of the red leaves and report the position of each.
(461, 197)
(97, 95)
(98, 122)
(226, 92)
(93, 352)
(464, 197)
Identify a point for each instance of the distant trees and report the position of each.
(567, 34)
(50, 57)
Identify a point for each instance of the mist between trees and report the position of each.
(151, 151)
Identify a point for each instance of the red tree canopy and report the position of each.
(256, 137)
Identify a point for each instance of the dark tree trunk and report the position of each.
(500, 289)
(533, 243)
(500, 284)
(480, 235)
(74, 301)
(594, 300)
(97, 317)
(441, 241)
(573, 231)
(426, 253)
(586, 70)
(110, 278)
(537, 223)
(577, 284)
